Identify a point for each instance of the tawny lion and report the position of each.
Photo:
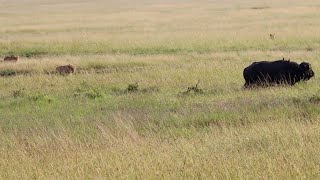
(11, 58)
(67, 69)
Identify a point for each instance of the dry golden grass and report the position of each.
(283, 150)
(88, 125)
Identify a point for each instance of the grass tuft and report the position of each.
(95, 93)
(7, 72)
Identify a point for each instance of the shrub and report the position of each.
(7, 72)
(133, 87)
(193, 89)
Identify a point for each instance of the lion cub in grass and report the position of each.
(66, 69)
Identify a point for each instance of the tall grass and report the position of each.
(124, 113)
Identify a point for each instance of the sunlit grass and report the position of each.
(126, 112)
(168, 46)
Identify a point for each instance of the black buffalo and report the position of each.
(265, 73)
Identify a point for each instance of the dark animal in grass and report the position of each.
(265, 73)
(11, 58)
(67, 69)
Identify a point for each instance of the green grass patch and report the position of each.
(35, 49)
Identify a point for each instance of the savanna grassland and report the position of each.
(126, 112)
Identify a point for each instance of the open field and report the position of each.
(90, 125)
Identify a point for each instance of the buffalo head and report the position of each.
(306, 70)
